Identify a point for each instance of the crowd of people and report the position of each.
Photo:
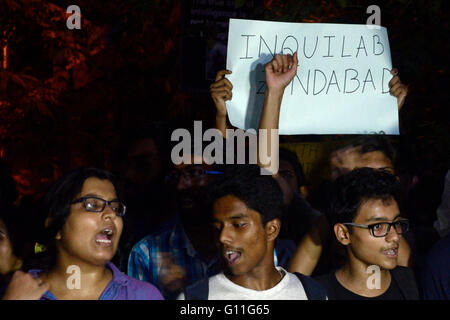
(197, 230)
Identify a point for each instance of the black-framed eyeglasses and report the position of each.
(96, 204)
(382, 229)
(192, 172)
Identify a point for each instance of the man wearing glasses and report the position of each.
(182, 250)
(368, 222)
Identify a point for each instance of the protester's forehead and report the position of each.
(98, 187)
(143, 146)
(378, 209)
(229, 206)
(195, 160)
(376, 160)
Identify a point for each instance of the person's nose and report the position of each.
(226, 235)
(392, 235)
(183, 182)
(108, 213)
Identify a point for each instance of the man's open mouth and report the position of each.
(231, 256)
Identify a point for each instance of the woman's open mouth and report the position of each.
(104, 238)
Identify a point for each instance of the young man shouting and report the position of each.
(246, 208)
(367, 221)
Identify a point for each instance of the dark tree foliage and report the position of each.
(67, 95)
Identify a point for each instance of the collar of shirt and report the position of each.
(179, 239)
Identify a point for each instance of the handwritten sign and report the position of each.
(341, 86)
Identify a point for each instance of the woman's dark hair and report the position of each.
(57, 202)
(352, 190)
(259, 192)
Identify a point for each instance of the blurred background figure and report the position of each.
(141, 164)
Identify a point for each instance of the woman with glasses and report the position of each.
(83, 229)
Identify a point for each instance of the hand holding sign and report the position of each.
(221, 91)
(398, 89)
(343, 85)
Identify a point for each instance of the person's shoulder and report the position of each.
(439, 248)
(142, 290)
(324, 279)
(313, 288)
(198, 290)
(406, 280)
(400, 271)
(163, 233)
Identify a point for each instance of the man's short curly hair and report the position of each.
(260, 193)
(352, 190)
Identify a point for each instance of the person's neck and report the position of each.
(93, 280)
(263, 277)
(201, 237)
(354, 276)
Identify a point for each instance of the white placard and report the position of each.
(341, 86)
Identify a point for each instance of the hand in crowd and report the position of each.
(344, 160)
(172, 275)
(397, 88)
(24, 287)
(221, 91)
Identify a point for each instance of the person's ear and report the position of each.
(272, 229)
(304, 191)
(47, 224)
(342, 234)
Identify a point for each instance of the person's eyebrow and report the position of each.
(375, 219)
(385, 168)
(235, 217)
(93, 195)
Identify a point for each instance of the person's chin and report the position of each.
(101, 260)
(105, 254)
(387, 263)
(236, 270)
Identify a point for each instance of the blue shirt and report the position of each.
(146, 257)
(121, 287)
(436, 276)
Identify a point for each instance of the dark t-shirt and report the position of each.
(436, 276)
(335, 291)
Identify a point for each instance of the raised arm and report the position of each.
(279, 73)
(221, 91)
(309, 250)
